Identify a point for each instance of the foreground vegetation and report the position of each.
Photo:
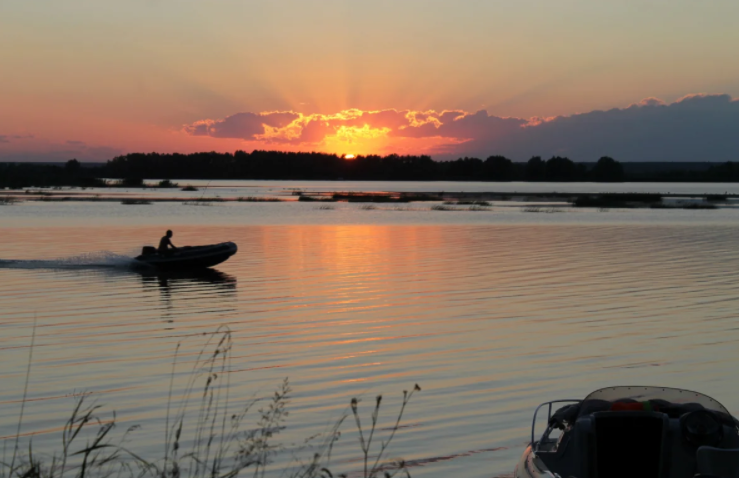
(132, 169)
(206, 436)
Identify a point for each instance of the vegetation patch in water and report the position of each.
(257, 199)
(625, 200)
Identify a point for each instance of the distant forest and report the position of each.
(132, 169)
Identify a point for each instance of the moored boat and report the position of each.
(187, 258)
(634, 432)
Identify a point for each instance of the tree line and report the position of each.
(133, 168)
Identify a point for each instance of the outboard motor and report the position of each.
(148, 250)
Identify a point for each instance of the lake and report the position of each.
(491, 312)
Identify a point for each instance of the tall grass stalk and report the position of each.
(203, 438)
(366, 444)
(25, 395)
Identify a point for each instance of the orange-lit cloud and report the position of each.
(695, 127)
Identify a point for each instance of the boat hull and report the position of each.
(189, 258)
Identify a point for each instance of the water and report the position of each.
(489, 312)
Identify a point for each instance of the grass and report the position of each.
(136, 202)
(206, 434)
(467, 203)
(716, 197)
(315, 199)
(370, 197)
(700, 206)
(203, 201)
(7, 201)
(538, 209)
(684, 206)
(618, 200)
(257, 199)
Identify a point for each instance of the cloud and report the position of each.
(242, 125)
(694, 128)
(698, 127)
(41, 150)
(6, 138)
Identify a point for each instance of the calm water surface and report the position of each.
(490, 318)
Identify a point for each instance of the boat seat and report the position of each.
(629, 444)
(719, 462)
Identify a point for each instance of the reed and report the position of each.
(466, 202)
(206, 434)
(257, 199)
(303, 198)
(717, 197)
(547, 210)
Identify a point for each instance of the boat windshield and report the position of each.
(672, 395)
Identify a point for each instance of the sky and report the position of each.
(646, 80)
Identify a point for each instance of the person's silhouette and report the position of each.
(165, 243)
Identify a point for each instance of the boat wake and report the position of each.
(92, 260)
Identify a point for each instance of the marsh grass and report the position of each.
(546, 210)
(684, 206)
(189, 188)
(257, 199)
(717, 197)
(7, 200)
(374, 468)
(206, 434)
(203, 201)
(467, 203)
(303, 198)
(136, 202)
(166, 183)
(699, 206)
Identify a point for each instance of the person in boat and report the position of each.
(166, 243)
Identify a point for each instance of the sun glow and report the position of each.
(349, 156)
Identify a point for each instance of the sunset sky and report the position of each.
(635, 79)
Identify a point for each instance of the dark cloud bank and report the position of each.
(694, 128)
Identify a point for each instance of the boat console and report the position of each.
(635, 432)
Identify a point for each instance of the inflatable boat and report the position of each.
(634, 432)
(186, 258)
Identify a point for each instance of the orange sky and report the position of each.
(91, 79)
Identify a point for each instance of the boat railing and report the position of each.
(534, 444)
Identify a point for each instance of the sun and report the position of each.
(349, 156)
